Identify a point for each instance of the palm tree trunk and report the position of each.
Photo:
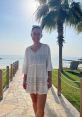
(59, 70)
(60, 43)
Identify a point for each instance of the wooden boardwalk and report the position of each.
(17, 103)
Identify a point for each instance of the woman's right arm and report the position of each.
(24, 78)
(24, 70)
(24, 81)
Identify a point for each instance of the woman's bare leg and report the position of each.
(34, 102)
(41, 100)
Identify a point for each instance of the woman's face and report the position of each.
(36, 35)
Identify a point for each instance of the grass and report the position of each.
(4, 79)
(70, 88)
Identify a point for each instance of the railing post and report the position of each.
(17, 65)
(13, 69)
(7, 76)
(1, 85)
(11, 73)
(81, 97)
(59, 82)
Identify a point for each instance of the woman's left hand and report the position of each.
(49, 83)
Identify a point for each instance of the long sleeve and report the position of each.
(49, 63)
(25, 63)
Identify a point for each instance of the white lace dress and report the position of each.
(36, 65)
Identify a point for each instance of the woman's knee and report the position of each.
(41, 100)
(40, 113)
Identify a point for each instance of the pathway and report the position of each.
(17, 103)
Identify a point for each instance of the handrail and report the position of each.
(69, 84)
(7, 73)
(70, 80)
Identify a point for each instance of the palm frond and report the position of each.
(41, 1)
(42, 10)
(62, 14)
(54, 3)
(65, 5)
(77, 6)
(53, 10)
(79, 27)
(50, 20)
(76, 9)
(74, 15)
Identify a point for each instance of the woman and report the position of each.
(37, 69)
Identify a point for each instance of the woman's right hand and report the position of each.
(24, 85)
(24, 81)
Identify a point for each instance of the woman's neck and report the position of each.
(36, 44)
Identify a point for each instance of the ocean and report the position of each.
(6, 60)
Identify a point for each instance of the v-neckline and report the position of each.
(37, 49)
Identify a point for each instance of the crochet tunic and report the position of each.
(36, 65)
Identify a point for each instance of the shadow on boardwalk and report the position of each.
(17, 103)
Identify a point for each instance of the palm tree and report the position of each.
(52, 14)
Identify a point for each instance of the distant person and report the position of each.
(37, 69)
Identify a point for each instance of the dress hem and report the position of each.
(35, 92)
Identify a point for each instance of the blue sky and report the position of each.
(16, 20)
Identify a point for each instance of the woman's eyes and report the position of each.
(37, 34)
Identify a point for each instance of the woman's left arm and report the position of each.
(49, 68)
(25, 69)
(49, 79)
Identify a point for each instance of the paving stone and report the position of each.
(18, 103)
(6, 108)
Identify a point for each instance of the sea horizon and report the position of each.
(6, 60)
